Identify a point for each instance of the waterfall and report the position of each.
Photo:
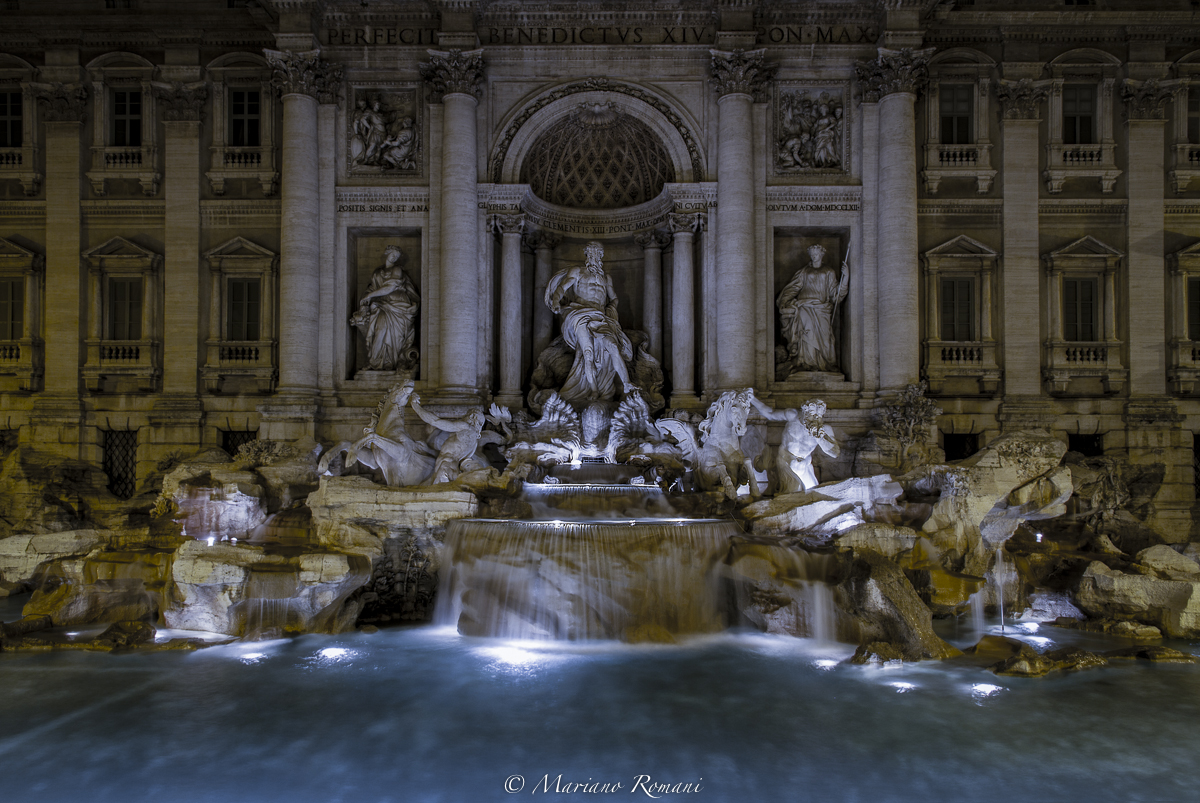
(597, 500)
(268, 603)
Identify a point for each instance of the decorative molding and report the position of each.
(539, 239)
(961, 206)
(23, 210)
(239, 213)
(451, 72)
(130, 210)
(655, 238)
(596, 85)
(600, 223)
(678, 222)
(808, 141)
(508, 224)
(1078, 206)
(64, 103)
(1022, 100)
(743, 72)
(811, 199)
(182, 102)
(304, 73)
(893, 71)
(1146, 100)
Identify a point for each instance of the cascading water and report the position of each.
(268, 603)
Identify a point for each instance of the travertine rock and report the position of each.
(784, 590)
(22, 555)
(1171, 605)
(104, 586)
(826, 509)
(1167, 564)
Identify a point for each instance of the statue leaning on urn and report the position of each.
(386, 315)
(807, 307)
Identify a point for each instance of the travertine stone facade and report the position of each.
(193, 199)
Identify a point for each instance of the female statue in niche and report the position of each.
(386, 315)
(806, 310)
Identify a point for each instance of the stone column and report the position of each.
(543, 244)
(65, 110)
(300, 77)
(510, 227)
(1144, 269)
(182, 110)
(652, 243)
(683, 326)
(1020, 103)
(895, 78)
(738, 76)
(456, 76)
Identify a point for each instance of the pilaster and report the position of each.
(510, 228)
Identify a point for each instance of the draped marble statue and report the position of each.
(386, 315)
(807, 309)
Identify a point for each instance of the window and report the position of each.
(958, 308)
(120, 462)
(1086, 445)
(127, 118)
(956, 113)
(1079, 309)
(960, 445)
(236, 4)
(125, 308)
(243, 315)
(234, 439)
(1193, 117)
(120, 4)
(10, 120)
(1193, 308)
(1079, 112)
(244, 118)
(12, 308)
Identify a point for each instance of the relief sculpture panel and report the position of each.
(384, 132)
(811, 130)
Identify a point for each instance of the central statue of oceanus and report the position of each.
(594, 359)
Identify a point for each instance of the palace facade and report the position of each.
(195, 197)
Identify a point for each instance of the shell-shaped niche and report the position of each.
(598, 157)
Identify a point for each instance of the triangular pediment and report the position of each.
(11, 251)
(1087, 246)
(119, 247)
(1192, 250)
(239, 247)
(961, 246)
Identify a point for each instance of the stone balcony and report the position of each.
(256, 164)
(1081, 161)
(123, 163)
(958, 161)
(240, 366)
(21, 364)
(950, 368)
(1083, 368)
(1187, 166)
(20, 164)
(1183, 371)
(121, 366)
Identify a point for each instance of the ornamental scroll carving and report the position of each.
(64, 103)
(452, 72)
(1145, 100)
(1021, 100)
(741, 72)
(904, 70)
(182, 102)
(305, 74)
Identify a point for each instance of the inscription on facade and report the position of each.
(812, 207)
(605, 35)
(398, 208)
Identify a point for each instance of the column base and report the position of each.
(510, 399)
(684, 401)
(454, 396)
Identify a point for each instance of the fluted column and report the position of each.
(543, 244)
(455, 76)
(300, 77)
(738, 76)
(652, 243)
(683, 325)
(510, 228)
(895, 78)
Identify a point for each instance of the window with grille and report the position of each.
(958, 308)
(234, 439)
(960, 445)
(1080, 308)
(10, 120)
(1193, 116)
(120, 462)
(125, 308)
(244, 306)
(127, 118)
(1086, 445)
(244, 118)
(1193, 308)
(1079, 114)
(955, 105)
(120, 4)
(12, 308)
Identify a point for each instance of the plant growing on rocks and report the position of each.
(262, 453)
(907, 421)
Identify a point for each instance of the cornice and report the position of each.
(124, 210)
(22, 210)
(961, 206)
(1114, 207)
(236, 213)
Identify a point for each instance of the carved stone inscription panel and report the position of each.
(383, 134)
(811, 128)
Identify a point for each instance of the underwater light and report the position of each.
(1038, 536)
(825, 663)
(985, 689)
(211, 540)
(900, 686)
(334, 652)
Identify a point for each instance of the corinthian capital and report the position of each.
(687, 222)
(305, 74)
(182, 101)
(904, 70)
(1022, 100)
(65, 103)
(741, 71)
(509, 224)
(540, 238)
(652, 239)
(1145, 100)
(452, 72)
